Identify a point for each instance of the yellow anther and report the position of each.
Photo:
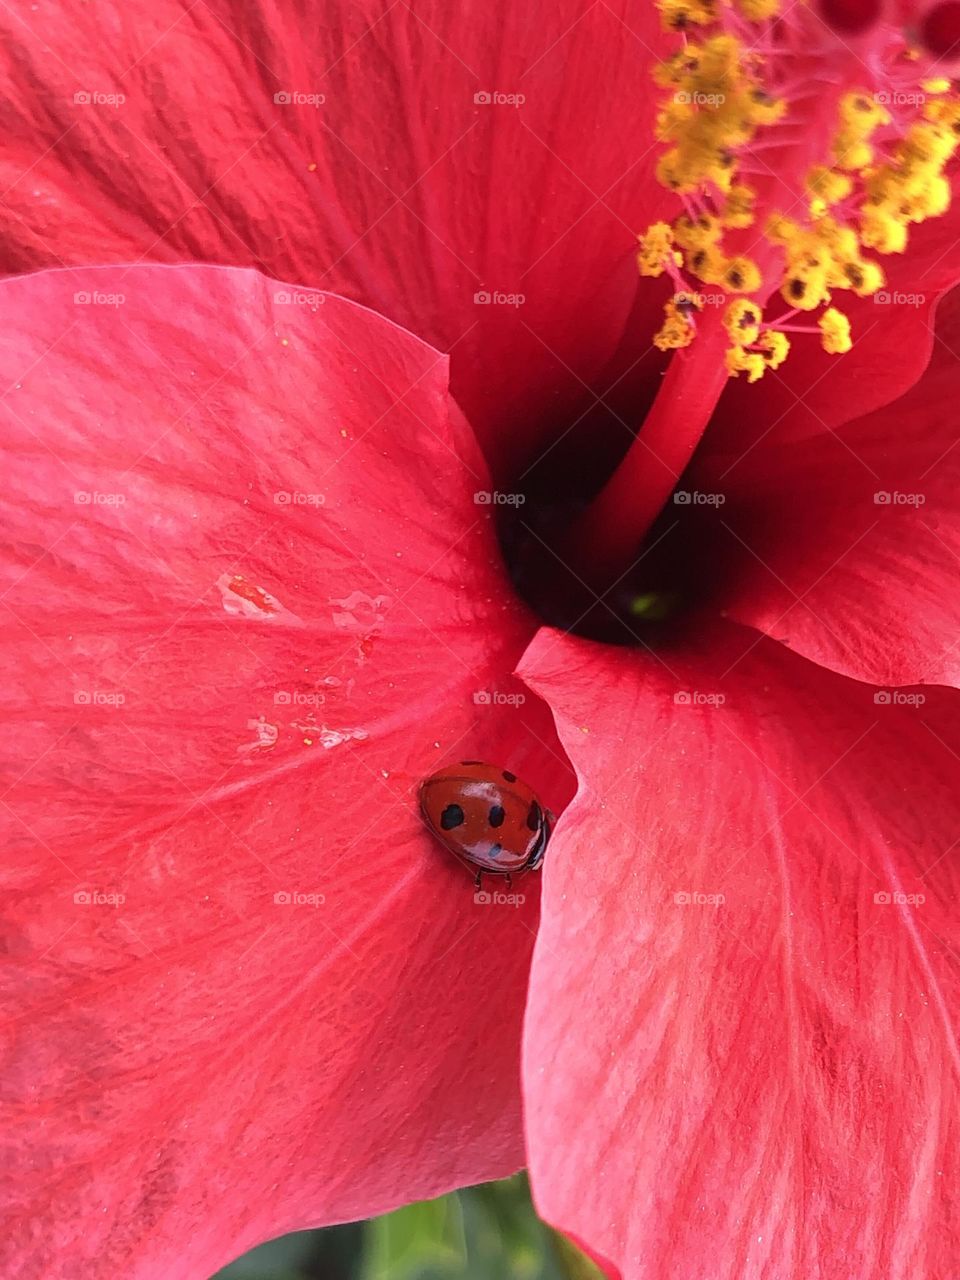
(742, 321)
(776, 347)
(927, 144)
(673, 174)
(696, 233)
(881, 231)
(740, 275)
(840, 241)
(719, 63)
(764, 109)
(835, 331)
(738, 207)
(828, 185)
(863, 277)
(933, 200)
(862, 114)
(851, 152)
(707, 264)
(804, 287)
(740, 361)
(676, 331)
(656, 250)
(859, 116)
(678, 15)
(758, 10)
(945, 111)
(781, 229)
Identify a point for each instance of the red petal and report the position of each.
(862, 575)
(769, 1086)
(400, 189)
(227, 690)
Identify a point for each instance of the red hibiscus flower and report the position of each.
(258, 582)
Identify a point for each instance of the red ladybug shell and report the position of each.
(486, 816)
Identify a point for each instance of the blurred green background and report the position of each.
(490, 1232)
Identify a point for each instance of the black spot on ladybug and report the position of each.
(497, 815)
(535, 817)
(510, 777)
(451, 817)
(471, 762)
(496, 850)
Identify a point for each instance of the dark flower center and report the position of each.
(797, 162)
(679, 569)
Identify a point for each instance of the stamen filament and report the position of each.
(606, 537)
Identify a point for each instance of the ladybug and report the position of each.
(486, 816)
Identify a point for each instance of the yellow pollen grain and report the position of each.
(741, 275)
(835, 332)
(656, 249)
(758, 10)
(742, 321)
(676, 330)
(738, 361)
(776, 347)
(738, 207)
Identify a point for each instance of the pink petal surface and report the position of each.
(249, 598)
(400, 188)
(769, 1087)
(846, 547)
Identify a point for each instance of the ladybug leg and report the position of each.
(509, 881)
(479, 881)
